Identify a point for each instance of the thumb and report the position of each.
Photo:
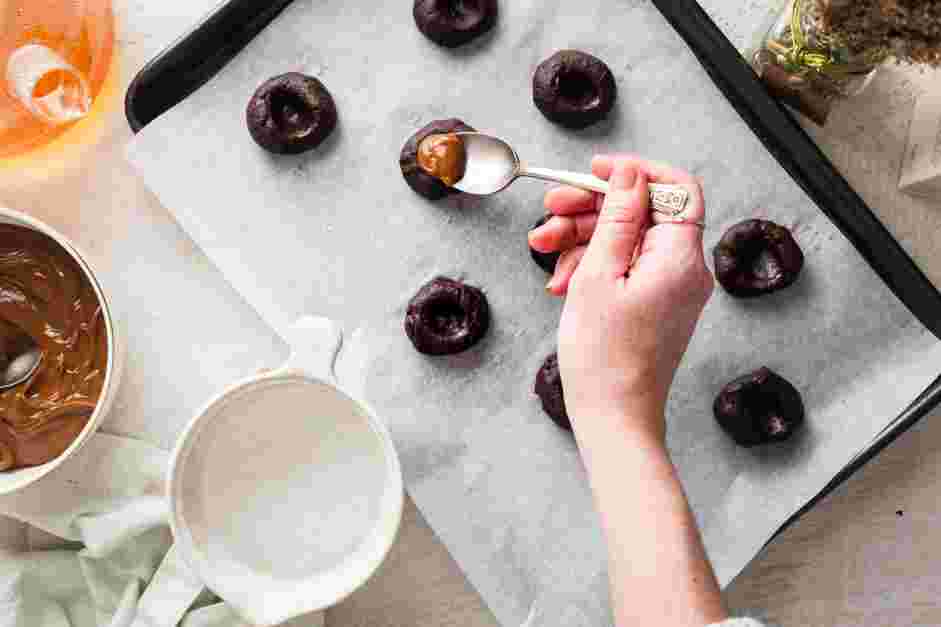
(623, 216)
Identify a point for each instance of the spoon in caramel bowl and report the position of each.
(490, 165)
(19, 355)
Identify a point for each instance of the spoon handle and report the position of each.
(575, 179)
(669, 200)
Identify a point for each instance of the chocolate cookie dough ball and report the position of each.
(549, 390)
(546, 261)
(446, 317)
(452, 23)
(757, 257)
(759, 408)
(290, 114)
(423, 183)
(574, 89)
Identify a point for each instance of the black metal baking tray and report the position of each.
(194, 58)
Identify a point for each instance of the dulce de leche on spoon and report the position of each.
(444, 157)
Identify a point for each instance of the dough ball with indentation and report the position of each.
(759, 408)
(446, 317)
(574, 89)
(452, 23)
(290, 114)
(757, 257)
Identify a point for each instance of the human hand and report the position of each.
(634, 292)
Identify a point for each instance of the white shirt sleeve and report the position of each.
(738, 622)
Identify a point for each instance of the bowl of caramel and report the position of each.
(50, 302)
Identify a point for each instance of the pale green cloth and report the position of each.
(82, 548)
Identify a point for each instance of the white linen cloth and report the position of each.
(89, 546)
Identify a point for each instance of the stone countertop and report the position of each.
(866, 140)
(864, 556)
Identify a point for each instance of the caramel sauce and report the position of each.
(443, 157)
(44, 293)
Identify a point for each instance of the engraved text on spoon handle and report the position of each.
(666, 199)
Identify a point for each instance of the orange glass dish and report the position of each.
(54, 58)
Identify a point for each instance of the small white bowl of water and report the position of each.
(285, 491)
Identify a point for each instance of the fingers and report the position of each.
(567, 265)
(667, 245)
(577, 214)
(695, 212)
(623, 216)
(563, 232)
(601, 165)
(657, 172)
(663, 174)
(667, 254)
(565, 200)
(559, 283)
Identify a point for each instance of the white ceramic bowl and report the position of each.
(286, 491)
(11, 481)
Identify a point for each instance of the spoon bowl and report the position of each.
(19, 355)
(492, 165)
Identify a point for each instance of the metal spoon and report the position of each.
(19, 355)
(492, 165)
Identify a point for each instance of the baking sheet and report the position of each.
(337, 232)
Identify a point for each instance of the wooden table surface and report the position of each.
(865, 556)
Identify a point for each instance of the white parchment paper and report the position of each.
(337, 232)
